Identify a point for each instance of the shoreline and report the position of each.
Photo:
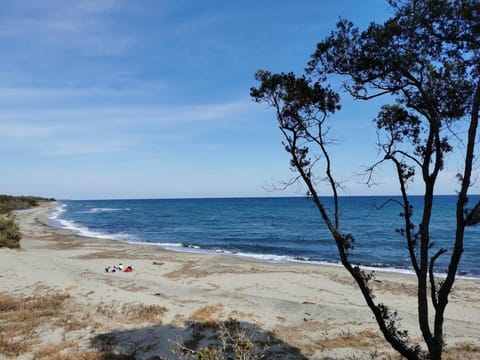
(263, 258)
(314, 311)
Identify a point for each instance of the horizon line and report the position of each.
(209, 197)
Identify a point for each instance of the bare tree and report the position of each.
(426, 58)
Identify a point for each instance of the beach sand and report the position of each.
(298, 310)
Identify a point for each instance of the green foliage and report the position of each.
(426, 59)
(9, 233)
(9, 203)
(208, 354)
(429, 67)
(472, 216)
(232, 341)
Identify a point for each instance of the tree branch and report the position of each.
(433, 285)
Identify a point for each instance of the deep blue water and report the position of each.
(271, 229)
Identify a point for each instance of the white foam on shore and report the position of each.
(167, 246)
(83, 230)
(98, 210)
(190, 248)
(57, 211)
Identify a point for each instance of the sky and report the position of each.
(110, 99)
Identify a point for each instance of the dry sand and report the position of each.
(307, 311)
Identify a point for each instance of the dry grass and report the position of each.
(204, 322)
(21, 317)
(7, 303)
(208, 315)
(305, 336)
(462, 351)
(68, 353)
(23, 320)
(59, 351)
(235, 314)
(143, 313)
(13, 347)
(137, 313)
(362, 339)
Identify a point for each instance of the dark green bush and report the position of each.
(9, 233)
(8, 203)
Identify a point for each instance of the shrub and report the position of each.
(9, 233)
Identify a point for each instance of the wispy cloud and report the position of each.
(83, 26)
(115, 115)
(69, 130)
(73, 147)
(17, 131)
(99, 105)
(130, 90)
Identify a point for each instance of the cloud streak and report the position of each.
(63, 131)
(83, 26)
(128, 114)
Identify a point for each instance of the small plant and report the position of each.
(208, 354)
(230, 340)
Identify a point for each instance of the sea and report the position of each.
(272, 229)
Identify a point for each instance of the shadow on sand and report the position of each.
(230, 339)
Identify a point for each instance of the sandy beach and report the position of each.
(296, 311)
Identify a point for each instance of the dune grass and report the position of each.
(23, 319)
(133, 313)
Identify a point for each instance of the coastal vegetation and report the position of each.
(9, 203)
(9, 232)
(23, 320)
(425, 61)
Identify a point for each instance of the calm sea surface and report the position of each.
(270, 229)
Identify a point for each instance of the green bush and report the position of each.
(9, 203)
(9, 233)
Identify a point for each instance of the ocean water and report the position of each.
(270, 229)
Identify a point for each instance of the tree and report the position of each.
(426, 60)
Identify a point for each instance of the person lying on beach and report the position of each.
(118, 268)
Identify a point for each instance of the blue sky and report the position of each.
(150, 98)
